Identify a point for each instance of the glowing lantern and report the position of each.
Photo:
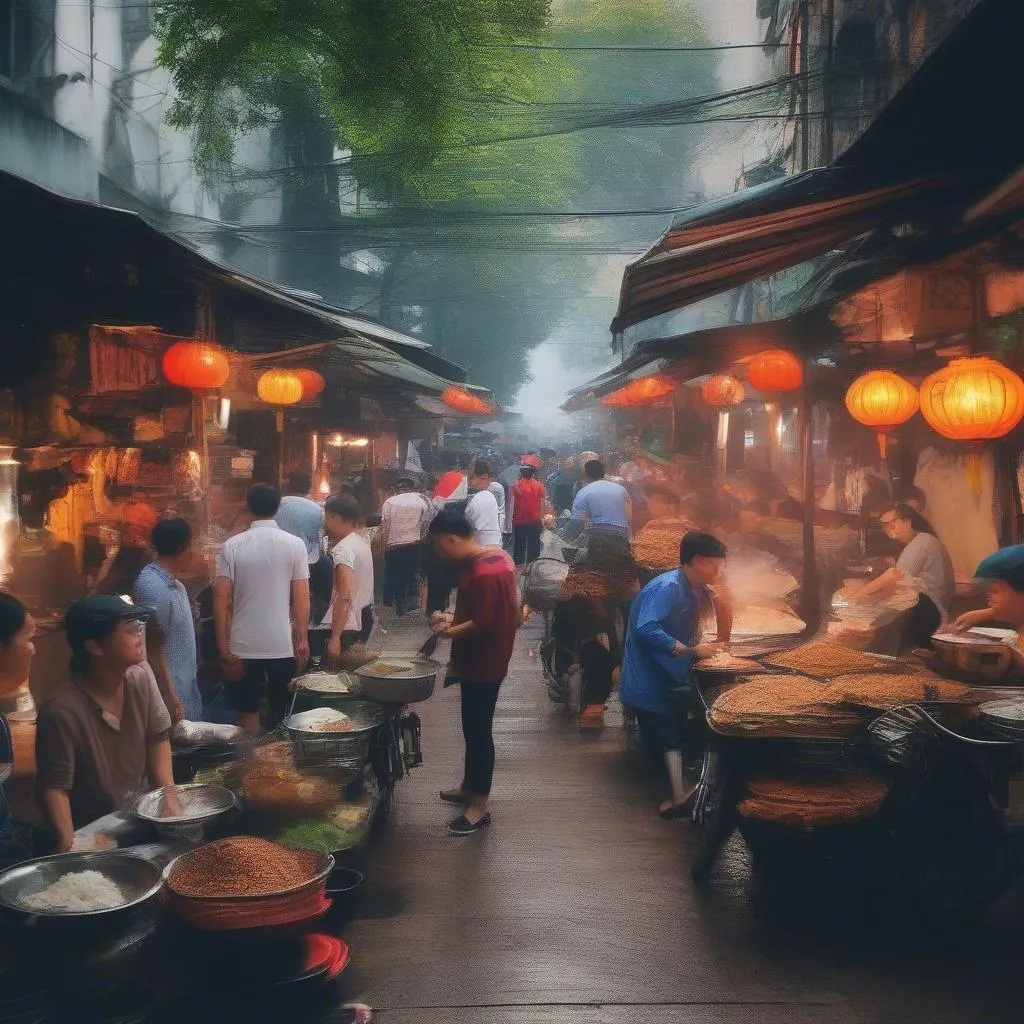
(279, 387)
(195, 365)
(313, 384)
(883, 400)
(775, 369)
(640, 392)
(973, 400)
(723, 390)
(463, 401)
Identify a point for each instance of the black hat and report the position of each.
(90, 617)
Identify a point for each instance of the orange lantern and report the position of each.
(775, 369)
(973, 400)
(640, 392)
(279, 387)
(463, 401)
(313, 384)
(883, 400)
(723, 390)
(195, 365)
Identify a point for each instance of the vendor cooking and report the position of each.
(1004, 574)
(106, 730)
(923, 560)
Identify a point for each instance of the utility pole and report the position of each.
(805, 25)
(828, 125)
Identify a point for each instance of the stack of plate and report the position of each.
(1004, 718)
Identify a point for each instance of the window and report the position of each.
(15, 38)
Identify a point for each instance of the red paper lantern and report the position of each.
(279, 387)
(775, 369)
(463, 401)
(195, 365)
(313, 384)
(723, 390)
(883, 400)
(644, 391)
(973, 400)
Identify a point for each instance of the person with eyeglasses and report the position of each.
(924, 562)
(104, 735)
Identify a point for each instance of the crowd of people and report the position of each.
(298, 583)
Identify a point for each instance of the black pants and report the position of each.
(400, 567)
(526, 543)
(274, 673)
(596, 665)
(478, 702)
(924, 621)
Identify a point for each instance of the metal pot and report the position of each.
(974, 654)
(313, 746)
(411, 686)
(137, 878)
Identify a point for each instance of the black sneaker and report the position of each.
(462, 826)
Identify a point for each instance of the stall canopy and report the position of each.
(75, 260)
(947, 136)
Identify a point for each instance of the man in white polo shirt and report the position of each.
(261, 611)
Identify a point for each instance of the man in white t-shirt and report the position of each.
(482, 507)
(261, 611)
(350, 616)
(401, 524)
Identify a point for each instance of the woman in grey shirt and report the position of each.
(924, 560)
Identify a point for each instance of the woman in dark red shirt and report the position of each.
(527, 509)
(483, 633)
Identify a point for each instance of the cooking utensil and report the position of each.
(429, 645)
(974, 654)
(138, 879)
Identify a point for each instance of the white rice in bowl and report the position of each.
(79, 892)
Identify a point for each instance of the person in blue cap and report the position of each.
(1004, 574)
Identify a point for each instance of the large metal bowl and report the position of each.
(138, 879)
(312, 746)
(325, 865)
(189, 823)
(410, 686)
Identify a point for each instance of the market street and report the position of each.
(576, 906)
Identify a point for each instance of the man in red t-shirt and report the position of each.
(527, 509)
(483, 633)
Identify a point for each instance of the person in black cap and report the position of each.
(105, 732)
(1004, 574)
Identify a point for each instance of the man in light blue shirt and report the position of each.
(659, 652)
(171, 632)
(304, 518)
(602, 504)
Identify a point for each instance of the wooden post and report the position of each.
(810, 597)
(279, 423)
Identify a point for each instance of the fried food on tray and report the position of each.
(813, 803)
(889, 690)
(825, 660)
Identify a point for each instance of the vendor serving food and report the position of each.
(1004, 574)
(923, 559)
(659, 651)
(106, 730)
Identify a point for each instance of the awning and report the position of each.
(70, 236)
(943, 140)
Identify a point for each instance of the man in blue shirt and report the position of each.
(659, 653)
(602, 504)
(171, 632)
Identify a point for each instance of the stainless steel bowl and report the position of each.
(312, 746)
(408, 687)
(221, 802)
(138, 879)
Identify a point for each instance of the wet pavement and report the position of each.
(576, 906)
